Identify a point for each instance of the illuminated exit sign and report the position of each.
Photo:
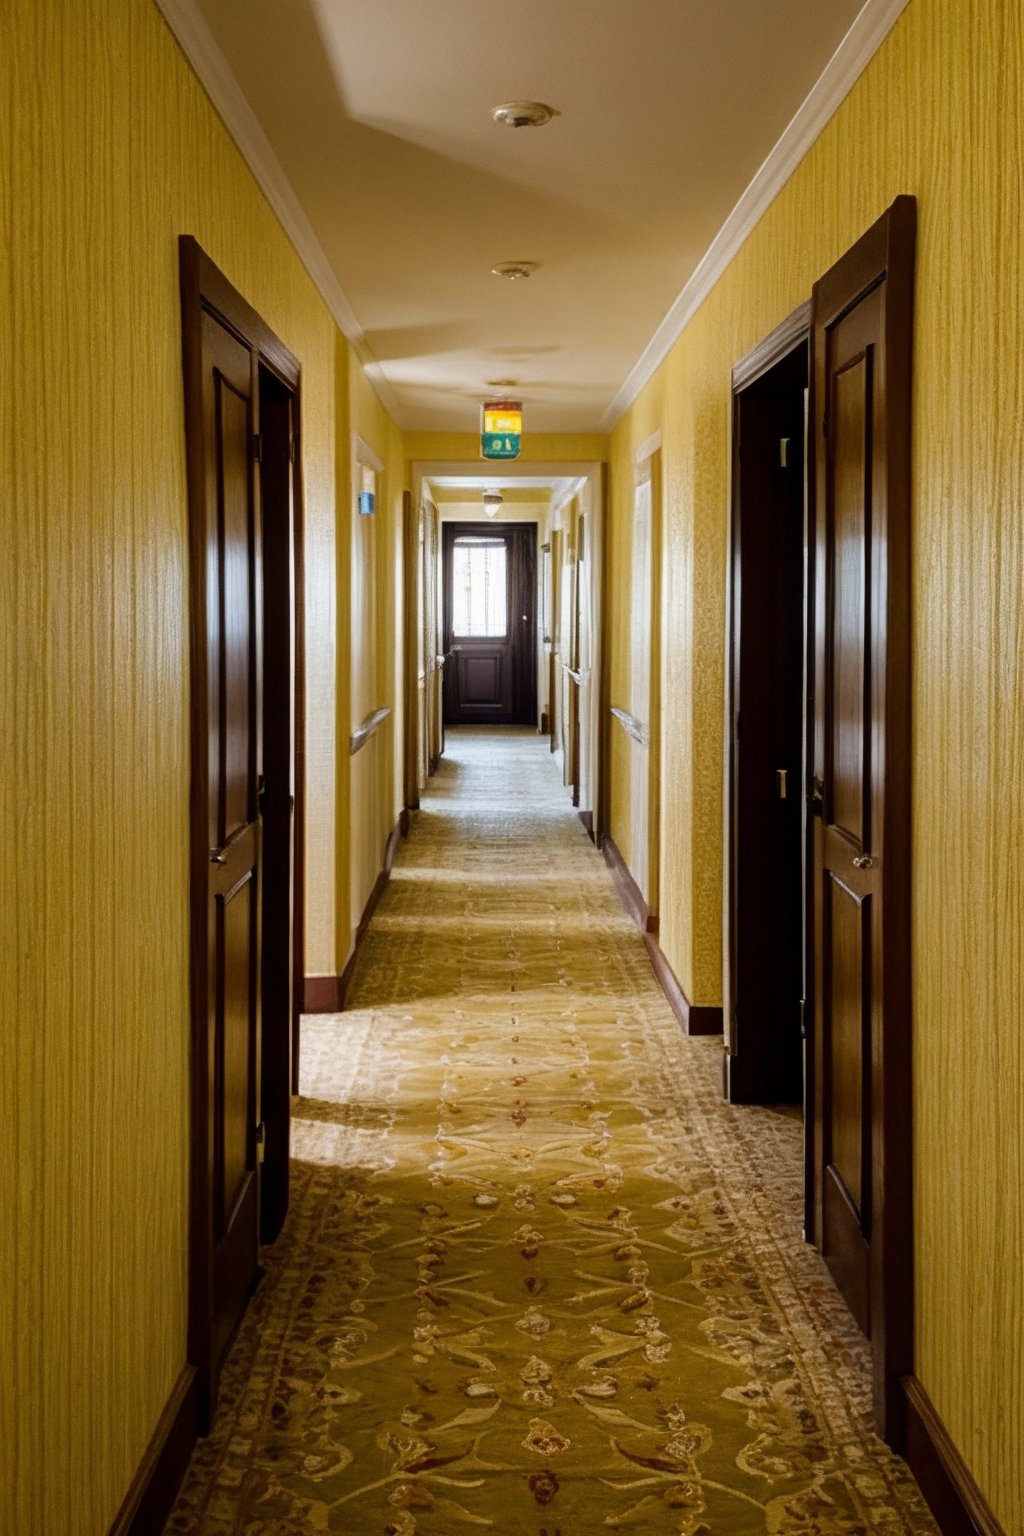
(501, 429)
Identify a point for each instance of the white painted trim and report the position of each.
(362, 453)
(218, 81)
(646, 451)
(870, 29)
(558, 502)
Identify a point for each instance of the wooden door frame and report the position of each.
(410, 653)
(882, 257)
(787, 338)
(205, 290)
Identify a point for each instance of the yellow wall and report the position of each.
(376, 791)
(110, 150)
(937, 114)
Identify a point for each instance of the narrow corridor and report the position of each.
(538, 1278)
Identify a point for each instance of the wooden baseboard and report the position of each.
(629, 892)
(587, 818)
(943, 1476)
(694, 1020)
(403, 820)
(155, 1485)
(327, 994)
(323, 994)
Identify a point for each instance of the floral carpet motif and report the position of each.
(538, 1279)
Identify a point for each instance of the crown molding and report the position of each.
(869, 30)
(218, 81)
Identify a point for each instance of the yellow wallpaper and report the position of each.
(376, 789)
(936, 114)
(109, 151)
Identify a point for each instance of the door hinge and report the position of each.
(784, 452)
(261, 1141)
(257, 447)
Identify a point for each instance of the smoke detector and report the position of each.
(522, 114)
(514, 270)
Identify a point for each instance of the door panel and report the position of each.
(845, 971)
(849, 539)
(860, 861)
(233, 652)
(484, 682)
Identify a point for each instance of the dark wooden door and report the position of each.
(862, 331)
(490, 636)
(765, 1059)
(242, 421)
(234, 675)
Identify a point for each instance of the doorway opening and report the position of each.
(764, 1060)
(490, 624)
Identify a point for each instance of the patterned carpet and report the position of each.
(538, 1280)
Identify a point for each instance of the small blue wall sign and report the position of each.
(366, 502)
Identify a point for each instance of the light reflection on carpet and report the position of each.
(537, 1279)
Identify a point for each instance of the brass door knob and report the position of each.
(863, 861)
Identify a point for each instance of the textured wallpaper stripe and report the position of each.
(937, 114)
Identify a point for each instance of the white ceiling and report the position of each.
(378, 112)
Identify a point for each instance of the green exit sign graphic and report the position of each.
(500, 445)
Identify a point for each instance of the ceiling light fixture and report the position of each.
(523, 114)
(492, 501)
(514, 270)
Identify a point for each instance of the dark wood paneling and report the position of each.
(694, 1021)
(953, 1496)
(156, 1482)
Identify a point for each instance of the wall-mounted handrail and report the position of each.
(362, 733)
(632, 726)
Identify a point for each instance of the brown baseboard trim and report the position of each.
(587, 818)
(327, 994)
(391, 848)
(629, 892)
(323, 994)
(545, 723)
(403, 820)
(693, 1020)
(943, 1476)
(155, 1485)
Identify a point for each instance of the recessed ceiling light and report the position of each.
(514, 270)
(523, 114)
